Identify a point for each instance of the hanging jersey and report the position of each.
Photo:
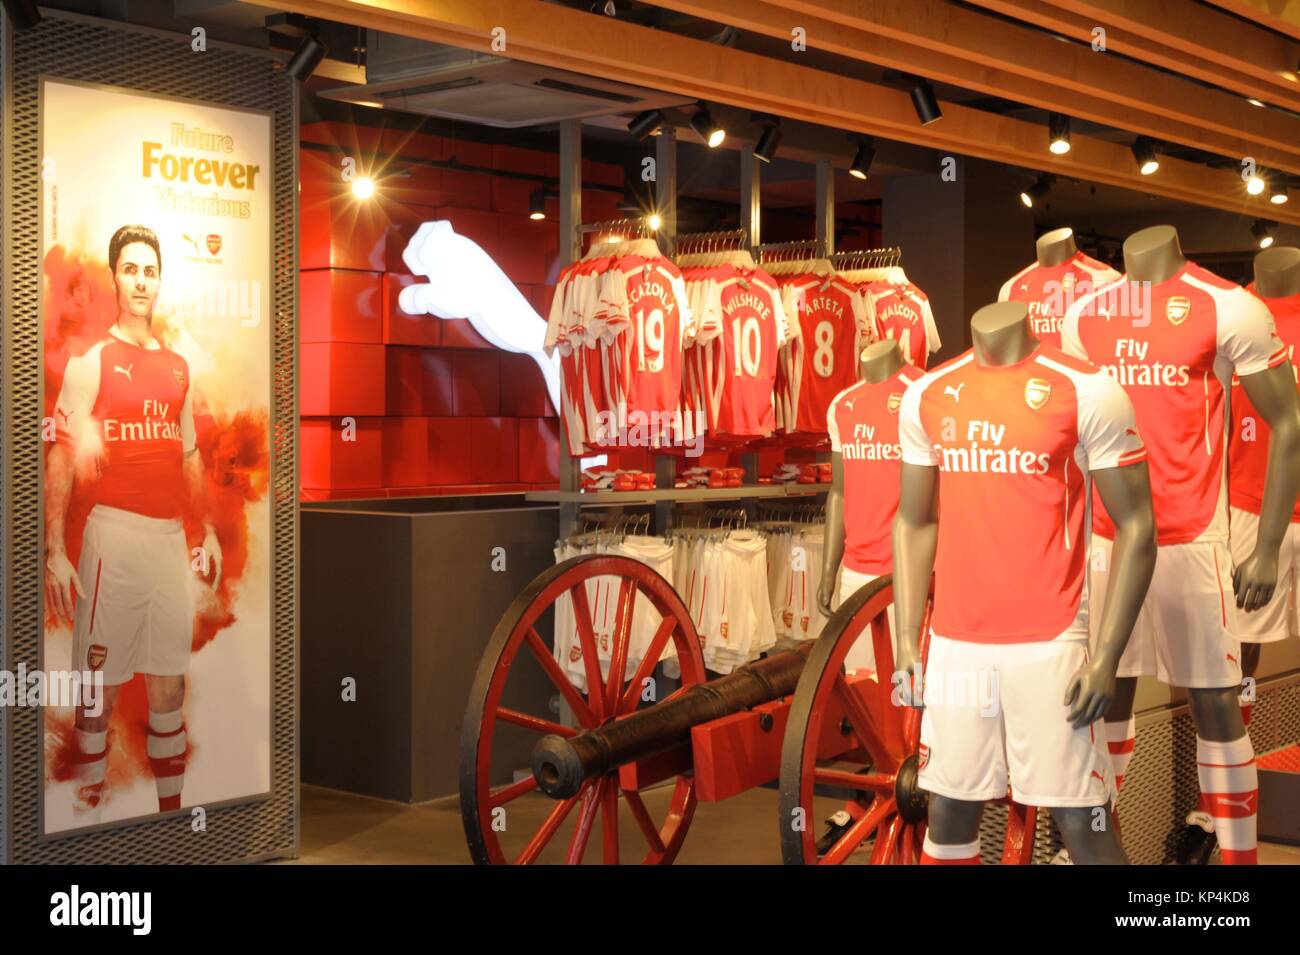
(1173, 347)
(1049, 290)
(1248, 439)
(823, 358)
(902, 312)
(128, 409)
(863, 426)
(736, 367)
(1014, 445)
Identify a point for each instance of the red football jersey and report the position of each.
(1049, 290)
(128, 409)
(824, 356)
(1248, 440)
(1014, 445)
(902, 312)
(1173, 347)
(742, 358)
(863, 426)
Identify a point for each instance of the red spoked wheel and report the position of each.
(848, 731)
(510, 822)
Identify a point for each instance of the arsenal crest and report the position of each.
(1037, 391)
(214, 243)
(1176, 308)
(179, 376)
(894, 401)
(96, 655)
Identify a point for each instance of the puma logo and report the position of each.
(1243, 802)
(1231, 658)
(849, 404)
(955, 392)
(124, 371)
(1099, 775)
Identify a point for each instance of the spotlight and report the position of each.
(610, 9)
(1262, 230)
(765, 148)
(1038, 191)
(654, 221)
(363, 187)
(1255, 183)
(22, 13)
(306, 58)
(1144, 152)
(862, 158)
(925, 102)
(645, 124)
(702, 122)
(1254, 102)
(1277, 194)
(537, 205)
(1058, 140)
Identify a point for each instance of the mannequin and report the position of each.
(1277, 272)
(1187, 636)
(1003, 340)
(879, 361)
(1056, 247)
(1059, 275)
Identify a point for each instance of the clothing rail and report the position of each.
(811, 248)
(622, 226)
(867, 258)
(710, 241)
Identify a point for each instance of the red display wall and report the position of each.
(393, 404)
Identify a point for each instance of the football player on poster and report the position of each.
(125, 428)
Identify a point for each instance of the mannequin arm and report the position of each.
(1126, 494)
(1273, 393)
(916, 538)
(833, 547)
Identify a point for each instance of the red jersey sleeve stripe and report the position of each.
(1278, 357)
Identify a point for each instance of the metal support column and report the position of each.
(666, 189)
(826, 205)
(751, 204)
(666, 206)
(570, 251)
(751, 222)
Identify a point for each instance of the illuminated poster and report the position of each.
(156, 220)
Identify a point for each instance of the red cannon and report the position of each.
(833, 736)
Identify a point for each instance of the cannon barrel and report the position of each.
(561, 765)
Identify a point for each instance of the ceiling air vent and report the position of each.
(435, 80)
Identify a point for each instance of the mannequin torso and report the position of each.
(1056, 247)
(1277, 272)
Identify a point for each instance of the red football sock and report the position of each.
(1230, 787)
(933, 853)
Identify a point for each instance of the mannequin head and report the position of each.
(1153, 255)
(879, 361)
(1000, 333)
(1277, 272)
(1056, 247)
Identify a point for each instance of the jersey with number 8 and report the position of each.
(831, 317)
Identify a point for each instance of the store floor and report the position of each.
(339, 828)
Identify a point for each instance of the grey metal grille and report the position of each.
(97, 51)
(1161, 784)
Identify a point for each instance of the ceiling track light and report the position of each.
(1277, 193)
(537, 204)
(1262, 230)
(23, 14)
(1256, 183)
(1058, 136)
(703, 124)
(306, 58)
(862, 157)
(1144, 153)
(1038, 191)
(924, 101)
(646, 124)
(768, 143)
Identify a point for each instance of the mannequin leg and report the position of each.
(1250, 653)
(952, 832)
(1225, 762)
(1087, 844)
